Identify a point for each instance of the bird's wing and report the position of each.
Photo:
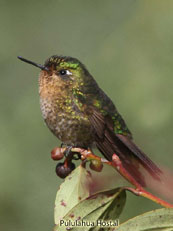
(108, 141)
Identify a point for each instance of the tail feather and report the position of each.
(130, 155)
(146, 162)
(108, 151)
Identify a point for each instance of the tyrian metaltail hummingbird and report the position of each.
(80, 114)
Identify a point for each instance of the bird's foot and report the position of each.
(68, 153)
(96, 163)
(65, 168)
(59, 153)
(62, 144)
(74, 153)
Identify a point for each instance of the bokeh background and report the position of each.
(126, 45)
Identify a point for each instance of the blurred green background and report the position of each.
(128, 48)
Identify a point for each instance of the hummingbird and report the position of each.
(80, 114)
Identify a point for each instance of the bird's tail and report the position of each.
(131, 156)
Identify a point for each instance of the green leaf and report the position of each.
(71, 192)
(103, 205)
(156, 220)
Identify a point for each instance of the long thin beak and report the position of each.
(42, 67)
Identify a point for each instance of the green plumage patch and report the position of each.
(69, 65)
(62, 61)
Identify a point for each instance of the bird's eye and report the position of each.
(63, 72)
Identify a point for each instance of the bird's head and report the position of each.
(62, 70)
